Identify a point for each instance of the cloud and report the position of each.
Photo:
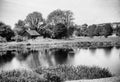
(85, 11)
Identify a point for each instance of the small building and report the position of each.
(31, 34)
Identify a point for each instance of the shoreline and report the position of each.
(79, 74)
(72, 43)
(109, 79)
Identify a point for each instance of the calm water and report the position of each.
(105, 57)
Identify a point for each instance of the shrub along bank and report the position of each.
(69, 72)
(27, 76)
(58, 73)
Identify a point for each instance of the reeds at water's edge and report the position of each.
(57, 73)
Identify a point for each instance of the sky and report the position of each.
(85, 11)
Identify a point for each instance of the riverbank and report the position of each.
(70, 72)
(110, 79)
(82, 42)
(58, 73)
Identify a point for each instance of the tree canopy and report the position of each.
(34, 20)
(60, 16)
(108, 30)
(91, 30)
(59, 31)
(20, 27)
(117, 31)
(6, 31)
(59, 24)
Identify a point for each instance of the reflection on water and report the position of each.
(29, 59)
(107, 51)
(92, 50)
(6, 56)
(22, 55)
(60, 56)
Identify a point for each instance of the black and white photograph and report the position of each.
(59, 40)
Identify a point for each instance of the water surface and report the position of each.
(30, 59)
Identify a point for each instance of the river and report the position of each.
(29, 59)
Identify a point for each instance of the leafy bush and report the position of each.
(59, 31)
(69, 72)
(2, 39)
(18, 38)
(54, 74)
(28, 76)
(20, 76)
(117, 30)
(6, 31)
(51, 77)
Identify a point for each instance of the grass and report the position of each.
(81, 42)
(20, 76)
(58, 73)
(27, 76)
(69, 72)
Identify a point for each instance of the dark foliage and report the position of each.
(70, 31)
(20, 76)
(27, 76)
(59, 31)
(46, 31)
(6, 56)
(69, 72)
(91, 30)
(84, 30)
(117, 31)
(34, 20)
(108, 30)
(20, 27)
(51, 77)
(6, 31)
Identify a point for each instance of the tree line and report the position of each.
(58, 25)
(95, 30)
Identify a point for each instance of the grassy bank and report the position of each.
(19, 76)
(27, 76)
(110, 79)
(54, 74)
(69, 72)
(85, 42)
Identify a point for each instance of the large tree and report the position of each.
(91, 30)
(34, 20)
(117, 31)
(6, 31)
(46, 30)
(20, 27)
(99, 30)
(84, 29)
(59, 31)
(60, 16)
(108, 30)
(104, 30)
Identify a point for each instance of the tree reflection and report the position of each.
(107, 50)
(6, 56)
(92, 50)
(22, 54)
(44, 57)
(61, 55)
